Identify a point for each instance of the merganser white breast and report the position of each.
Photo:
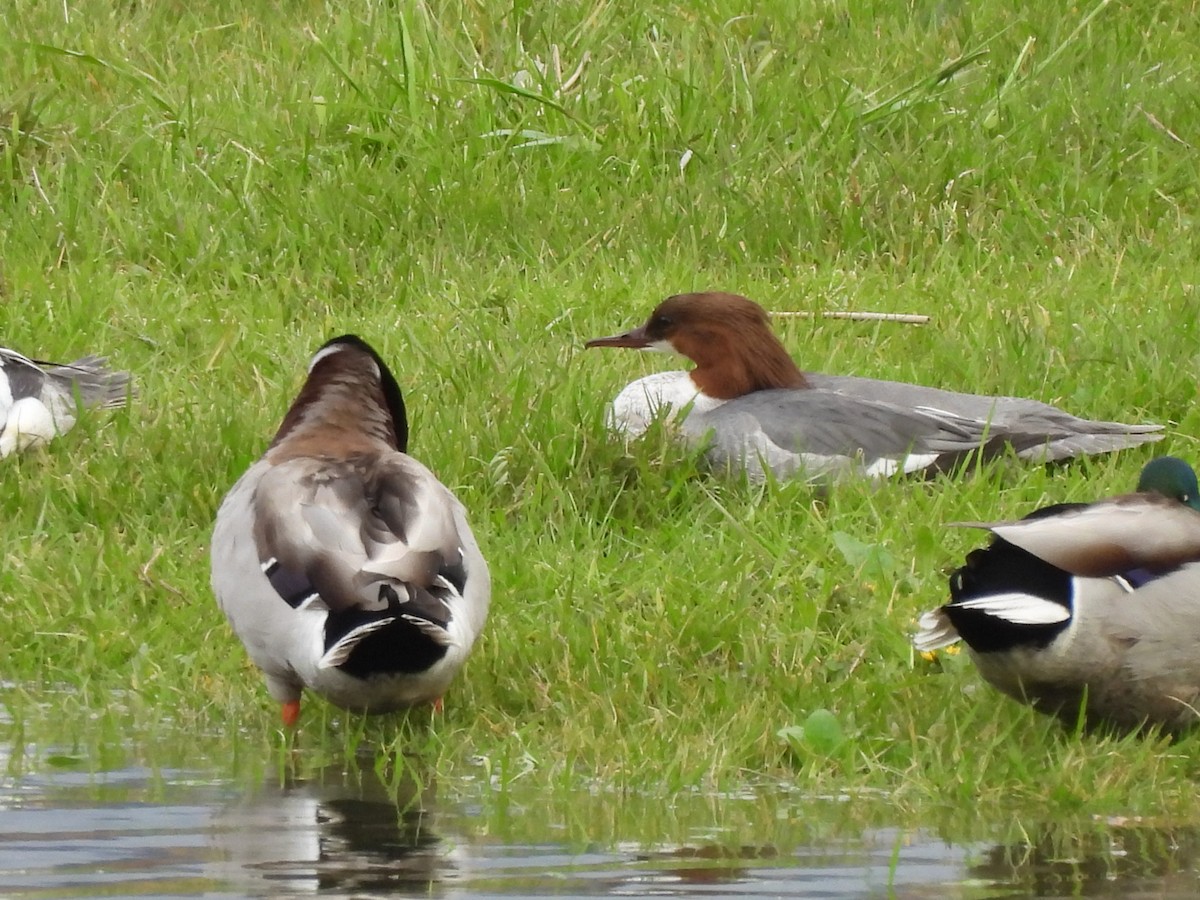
(341, 562)
(755, 411)
(39, 401)
(1089, 611)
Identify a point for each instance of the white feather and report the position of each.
(29, 424)
(434, 632)
(887, 466)
(1020, 609)
(936, 632)
(340, 652)
(325, 353)
(662, 394)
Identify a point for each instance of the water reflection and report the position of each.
(335, 832)
(344, 832)
(1115, 858)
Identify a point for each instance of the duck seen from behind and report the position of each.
(341, 562)
(1089, 611)
(39, 401)
(754, 410)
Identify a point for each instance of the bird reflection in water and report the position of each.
(337, 831)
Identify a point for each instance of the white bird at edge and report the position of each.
(39, 401)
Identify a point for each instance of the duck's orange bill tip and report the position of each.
(290, 713)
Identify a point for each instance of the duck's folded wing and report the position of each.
(364, 533)
(1016, 413)
(1110, 537)
(413, 535)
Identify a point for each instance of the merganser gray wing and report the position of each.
(1043, 432)
(819, 433)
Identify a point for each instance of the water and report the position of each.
(133, 831)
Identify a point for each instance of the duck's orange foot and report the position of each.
(290, 713)
(437, 705)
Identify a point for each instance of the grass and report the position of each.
(206, 193)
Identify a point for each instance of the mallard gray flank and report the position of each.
(1089, 612)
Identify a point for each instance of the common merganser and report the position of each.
(342, 563)
(39, 401)
(1089, 612)
(754, 410)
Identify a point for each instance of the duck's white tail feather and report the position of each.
(1018, 608)
(431, 630)
(340, 652)
(936, 632)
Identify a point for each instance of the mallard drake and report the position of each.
(39, 401)
(753, 410)
(1089, 610)
(342, 563)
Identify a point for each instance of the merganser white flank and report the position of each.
(342, 563)
(39, 401)
(754, 410)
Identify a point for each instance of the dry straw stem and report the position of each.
(853, 316)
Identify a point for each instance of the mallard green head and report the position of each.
(1171, 477)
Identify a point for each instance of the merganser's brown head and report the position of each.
(727, 336)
